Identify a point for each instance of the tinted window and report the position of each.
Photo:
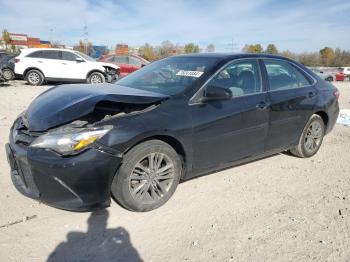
(35, 54)
(121, 59)
(169, 76)
(282, 75)
(69, 56)
(48, 54)
(241, 77)
(134, 61)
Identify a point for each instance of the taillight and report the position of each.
(16, 60)
(336, 94)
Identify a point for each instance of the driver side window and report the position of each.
(241, 77)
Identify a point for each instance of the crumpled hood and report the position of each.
(66, 103)
(107, 64)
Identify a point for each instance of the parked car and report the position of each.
(7, 64)
(127, 63)
(37, 65)
(343, 74)
(175, 119)
(325, 76)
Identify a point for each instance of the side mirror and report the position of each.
(212, 93)
(321, 72)
(79, 60)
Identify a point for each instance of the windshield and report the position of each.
(86, 57)
(169, 76)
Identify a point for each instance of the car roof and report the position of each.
(232, 55)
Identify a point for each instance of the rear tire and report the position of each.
(34, 77)
(311, 138)
(147, 177)
(330, 79)
(8, 74)
(96, 78)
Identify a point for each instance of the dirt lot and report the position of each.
(281, 208)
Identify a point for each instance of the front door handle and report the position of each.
(262, 105)
(311, 93)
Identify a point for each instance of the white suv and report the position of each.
(37, 65)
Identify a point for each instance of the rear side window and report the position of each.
(51, 54)
(121, 59)
(68, 56)
(282, 75)
(134, 61)
(36, 54)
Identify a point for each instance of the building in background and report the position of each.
(20, 41)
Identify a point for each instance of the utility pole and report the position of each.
(51, 30)
(232, 46)
(85, 36)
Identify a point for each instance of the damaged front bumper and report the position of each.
(112, 75)
(78, 183)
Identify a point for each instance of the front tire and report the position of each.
(329, 79)
(311, 139)
(96, 78)
(147, 177)
(8, 74)
(34, 77)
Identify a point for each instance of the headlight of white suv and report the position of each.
(72, 141)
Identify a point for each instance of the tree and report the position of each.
(327, 55)
(166, 49)
(148, 52)
(271, 49)
(191, 48)
(6, 38)
(83, 47)
(210, 48)
(257, 48)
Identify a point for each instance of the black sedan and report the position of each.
(175, 119)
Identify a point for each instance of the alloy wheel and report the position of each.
(151, 178)
(34, 78)
(96, 79)
(8, 75)
(313, 137)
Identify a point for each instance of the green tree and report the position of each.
(271, 49)
(191, 48)
(327, 56)
(210, 48)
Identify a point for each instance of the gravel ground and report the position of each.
(281, 208)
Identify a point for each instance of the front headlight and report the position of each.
(72, 141)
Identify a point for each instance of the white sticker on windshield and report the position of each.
(189, 73)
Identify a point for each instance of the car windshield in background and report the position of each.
(169, 76)
(86, 57)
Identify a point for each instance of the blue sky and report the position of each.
(297, 25)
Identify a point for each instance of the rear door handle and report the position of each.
(262, 105)
(64, 63)
(39, 61)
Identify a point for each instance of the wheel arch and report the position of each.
(32, 68)
(171, 141)
(324, 117)
(94, 71)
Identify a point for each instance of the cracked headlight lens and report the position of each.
(72, 141)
